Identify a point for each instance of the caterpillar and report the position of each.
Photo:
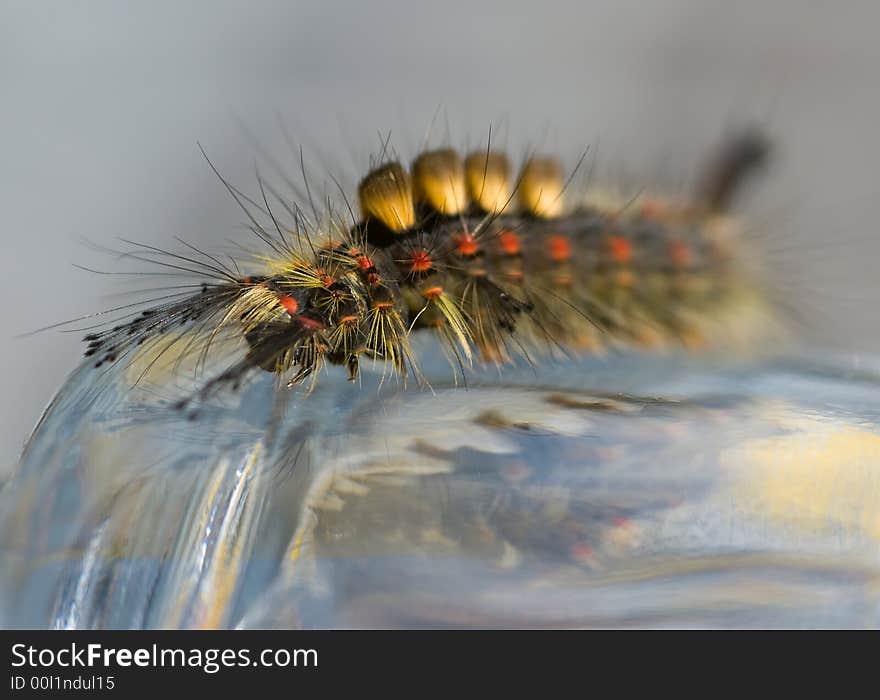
(495, 266)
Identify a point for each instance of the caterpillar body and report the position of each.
(495, 267)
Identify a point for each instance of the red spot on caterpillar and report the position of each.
(558, 248)
(620, 249)
(433, 292)
(363, 262)
(310, 325)
(291, 305)
(680, 254)
(326, 279)
(467, 244)
(373, 278)
(509, 242)
(420, 261)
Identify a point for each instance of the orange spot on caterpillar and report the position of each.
(363, 262)
(291, 305)
(558, 248)
(433, 292)
(349, 320)
(420, 261)
(467, 244)
(509, 243)
(620, 249)
(680, 254)
(382, 305)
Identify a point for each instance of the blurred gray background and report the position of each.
(103, 103)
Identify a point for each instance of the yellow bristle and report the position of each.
(386, 195)
(456, 327)
(540, 187)
(488, 180)
(387, 338)
(253, 309)
(438, 181)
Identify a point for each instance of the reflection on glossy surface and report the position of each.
(702, 496)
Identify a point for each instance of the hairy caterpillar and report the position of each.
(495, 266)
